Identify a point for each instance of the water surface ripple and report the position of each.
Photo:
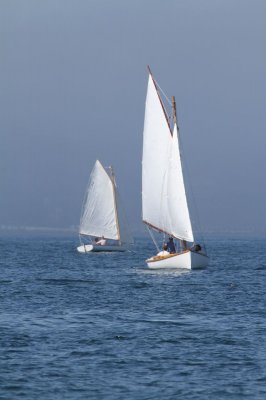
(101, 326)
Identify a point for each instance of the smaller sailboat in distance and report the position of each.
(101, 221)
(164, 201)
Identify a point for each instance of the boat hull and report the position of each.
(185, 260)
(88, 248)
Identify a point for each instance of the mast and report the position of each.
(115, 202)
(183, 243)
(174, 111)
(164, 203)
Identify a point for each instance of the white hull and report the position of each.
(186, 260)
(87, 248)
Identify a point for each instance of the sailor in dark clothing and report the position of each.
(171, 245)
(196, 248)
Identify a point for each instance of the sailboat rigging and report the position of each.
(101, 219)
(164, 201)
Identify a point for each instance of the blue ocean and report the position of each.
(102, 326)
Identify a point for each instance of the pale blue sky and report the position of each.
(73, 82)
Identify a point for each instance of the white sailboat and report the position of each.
(164, 202)
(101, 217)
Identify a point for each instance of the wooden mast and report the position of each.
(183, 243)
(174, 113)
(174, 109)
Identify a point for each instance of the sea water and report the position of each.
(102, 326)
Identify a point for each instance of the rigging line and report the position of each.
(123, 218)
(152, 237)
(192, 196)
(122, 215)
(114, 187)
(161, 90)
(168, 113)
(164, 241)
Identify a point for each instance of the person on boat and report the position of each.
(171, 245)
(101, 242)
(196, 247)
(164, 251)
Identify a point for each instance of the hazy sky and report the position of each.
(73, 81)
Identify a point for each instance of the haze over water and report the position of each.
(73, 85)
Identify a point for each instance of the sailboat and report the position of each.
(101, 216)
(164, 201)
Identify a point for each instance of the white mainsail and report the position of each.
(164, 202)
(99, 214)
